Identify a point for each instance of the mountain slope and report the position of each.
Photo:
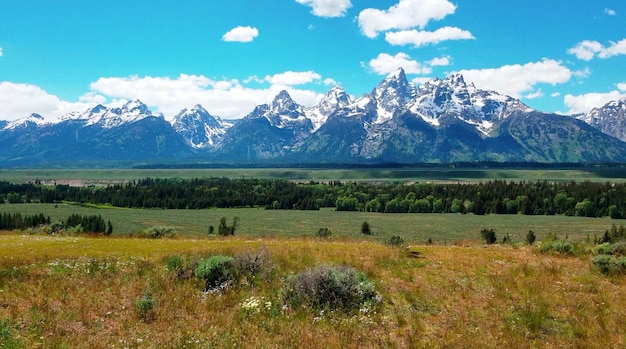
(610, 118)
(199, 128)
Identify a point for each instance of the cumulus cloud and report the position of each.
(419, 38)
(20, 100)
(327, 8)
(227, 98)
(290, 78)
(0, 51)
(440, 61)
(330, 82)
(241, 34)
(609, 12)
(622, 86)
(516, 79)
(386, 63)
(406, 14)
(585, 102)
(589, 49)
(533, 95)
(420, 80)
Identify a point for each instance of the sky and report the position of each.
(563, 56)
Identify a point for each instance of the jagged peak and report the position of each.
(397, 74)
(135, 105)
(282, 95)
(455, 79)
(283, 102)
(337, 93)
(35, 116)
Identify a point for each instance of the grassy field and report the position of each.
(77, 292)
(413, 228)
(105, 176)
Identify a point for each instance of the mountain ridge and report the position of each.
(442, 120)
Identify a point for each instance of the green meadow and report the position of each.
(253, 222)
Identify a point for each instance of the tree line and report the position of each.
(89, 224)
(501, 197)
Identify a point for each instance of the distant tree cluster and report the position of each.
(501, 197)
(16, 221)
(88, 224)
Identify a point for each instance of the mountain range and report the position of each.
(442, 120)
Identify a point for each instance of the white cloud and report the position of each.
(419, 38)
(405, 14)
(516, 79)
(241, 34)
(327, 8)
(440, 61)
(586, 102)
(20, 100)
(293, 78)
(0, 51)
(609, 12)
(330, 82)
(555, 94)
(622, 86)
(589, 49)
(420, 80)
(227, 98)
(533, 95)
(386, 63)
(581, 74)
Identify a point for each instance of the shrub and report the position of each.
(608, 264)
(216, 271)
(324, 233)
(489, 235)
(506, 239)
(604, 248)
(365, 228)
(618, 248)
(531, 237)
(332, 287)
(174, 263)
(145, 307)
(225, 229)
(253, 266)
(157, 232)
(395, 241)
(559, 246)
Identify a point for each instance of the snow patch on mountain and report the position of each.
(109, 118)
(199, 128)
(33, 120)
(610, 118)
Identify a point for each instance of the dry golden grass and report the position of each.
(75, 292)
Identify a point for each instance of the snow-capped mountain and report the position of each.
(34, 120)
(443, 120)
(452, 97)
(610, 118)
(199, 128)
(335, 100)
(102, 116)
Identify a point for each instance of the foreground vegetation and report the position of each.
(134, 293)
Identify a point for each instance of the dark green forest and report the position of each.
(501, 197)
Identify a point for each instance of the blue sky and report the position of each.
(230, 55)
